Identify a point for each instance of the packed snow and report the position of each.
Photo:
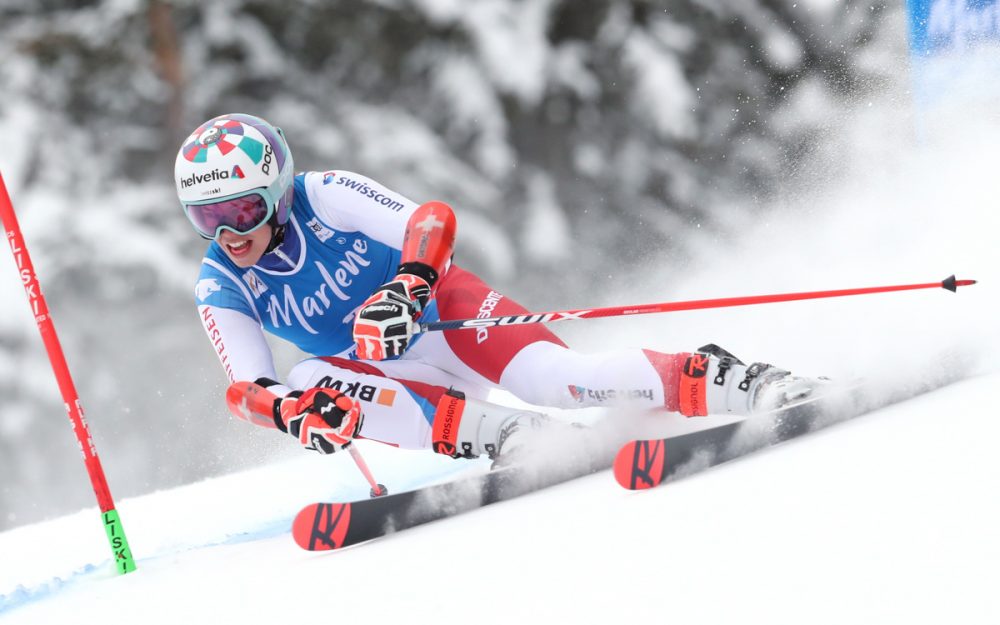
(888, 518)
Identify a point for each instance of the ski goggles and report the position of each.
(241, 214)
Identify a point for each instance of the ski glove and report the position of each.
(383, 327)
(323, 419)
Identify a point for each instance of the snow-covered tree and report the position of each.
(576, 139)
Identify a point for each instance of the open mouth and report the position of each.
(240, 248)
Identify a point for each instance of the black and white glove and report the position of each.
(322, 419)
(383, 327)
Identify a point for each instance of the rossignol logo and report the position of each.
(694, 392)
(213, 176)
(325, 527)
(692, 385)
(446, 425)
(696, 365)
(647, 465)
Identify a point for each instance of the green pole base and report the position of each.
(124, 563)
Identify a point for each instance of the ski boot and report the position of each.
(714, 381)
(469, 428)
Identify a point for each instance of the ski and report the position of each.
(325, 526)
(329, 526)
(641, 463)
(647, 463)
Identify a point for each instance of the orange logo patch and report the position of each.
(386, 397)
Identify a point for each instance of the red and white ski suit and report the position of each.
(399, 396)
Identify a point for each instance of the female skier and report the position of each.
(343, 267)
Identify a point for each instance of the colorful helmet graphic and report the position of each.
(230, 157)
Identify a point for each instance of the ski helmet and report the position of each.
(235, 172)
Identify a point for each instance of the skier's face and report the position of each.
(245, 249)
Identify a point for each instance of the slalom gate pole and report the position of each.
(121, 553)
(949, 283)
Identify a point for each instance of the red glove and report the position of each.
(323, 419)
(383, 327)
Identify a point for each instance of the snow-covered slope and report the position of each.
(888, 518)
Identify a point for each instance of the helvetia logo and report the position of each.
(591, 396)
(212, 176)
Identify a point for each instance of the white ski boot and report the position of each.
(469, 428)
(716, 382)
(776, 388)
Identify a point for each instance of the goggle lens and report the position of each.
(242, 215)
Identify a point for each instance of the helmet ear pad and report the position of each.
(283, 207)
(279, 218)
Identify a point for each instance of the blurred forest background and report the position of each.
(580, 141)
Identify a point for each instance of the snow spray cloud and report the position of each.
(885, 203)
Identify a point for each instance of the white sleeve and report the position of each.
(239, 342)
(351, 202)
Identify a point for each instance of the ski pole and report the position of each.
(120, 550)
(949, 283)
(378, 490)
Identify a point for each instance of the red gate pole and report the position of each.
(122, 554)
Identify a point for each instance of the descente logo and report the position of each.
(212, 176)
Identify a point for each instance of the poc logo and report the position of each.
(265, 165)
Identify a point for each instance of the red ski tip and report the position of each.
(639, 465)
(322, 526)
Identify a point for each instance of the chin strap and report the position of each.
(277, 238)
